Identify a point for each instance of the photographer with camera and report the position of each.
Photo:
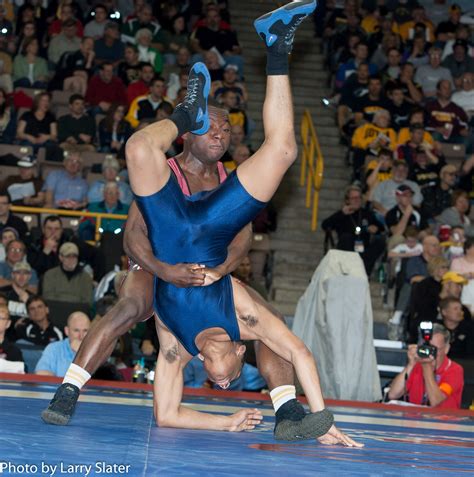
(430, 378)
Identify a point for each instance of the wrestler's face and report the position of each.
(210, 147)
(227, 367)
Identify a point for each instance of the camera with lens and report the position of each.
(425, 350)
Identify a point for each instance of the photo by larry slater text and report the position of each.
(63, 468)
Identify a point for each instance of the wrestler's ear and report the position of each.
(241, 350)
(200, 357)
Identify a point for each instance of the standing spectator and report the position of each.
(129, 69)
(114, 130)
(428, 76)
(105, 89)
(458, 62)
(29, 69)
(37, 329)
(448, 120)
(58, 356)
(109, 48)
(142, 85)
(24, 188)
(436, 382)
(68, 282)
(456, 215)
(356, 229)
(66, 188)
(76, 130)
(65, 42)
(144, 19)
(38, 127)
(96, 27)
(146, 52)
(15, 253)
(7, 219)
(110, 170)
(8, 350)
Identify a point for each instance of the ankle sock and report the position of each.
(76, 375)
(281, 395)
(277, 63)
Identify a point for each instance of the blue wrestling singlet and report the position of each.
(196, 229)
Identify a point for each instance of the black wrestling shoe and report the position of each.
(62, 406)
(277, 28)
(195, 101)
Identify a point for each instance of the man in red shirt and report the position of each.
(431, 382)
(142, 86)
(105, 89)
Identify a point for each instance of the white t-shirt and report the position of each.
(404, 248)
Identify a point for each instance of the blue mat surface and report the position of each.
(113, 433)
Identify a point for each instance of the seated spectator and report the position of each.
(417, 116)
(65, 42)
(105, 89)
(24, 188)
(398, 108)
(38, 127)
(356, 228)
(15, 253)
(142, 85)
(96, 27)
(372, 102)
(411, 247)
(109, 48)
(17, 292)
(74, 68)
(461, 330)
(110, 170)
(446, 118)
(58, 356)
(8, 350)
(438, 198)
(417, 267)
(464, 97)
(240, 154)
(458, 62)
(129, 69)
(462, 32)
(244, 273)
(412, 92)
(370, 138)
(37, 329)
(428, 76)
(456, 215)
(114, 130)
(230, 82)
(381, 49)
(182, 62)
(403, 215)
(418, 16)
(174, 38)
(351, 66)
(433, 382)
(7, 235)
(29, 69)
(454, 246)
(143, 19)
(76, 130)
(211, 35)
(109, 205)
(7, 120)
(425, 168)
(418, 53)
(65, 14)
(146, 53)
(407, 151)
(145, 107)
(68, 282)
(447, 29)
(384, 196)
(229, 100)
(392, 70)
(379, 169)
(7, 219)
(214, 66)
(66, 188)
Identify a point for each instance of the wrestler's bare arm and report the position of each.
(168, 393)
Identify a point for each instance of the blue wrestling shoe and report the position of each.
(62, 406)
(195, 101)
(277, 28)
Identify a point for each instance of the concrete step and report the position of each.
(288, 296)
(290, 283)
(287, 309)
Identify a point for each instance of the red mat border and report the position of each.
(93, 383)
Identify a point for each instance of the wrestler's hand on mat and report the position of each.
(335, 436)
(212, 275)
(184, 274)
(245, 420)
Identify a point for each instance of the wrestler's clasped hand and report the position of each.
(245, 420)
(335, 436)
(184, 275)
(212, 275)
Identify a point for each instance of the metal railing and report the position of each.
(70, 213)
(312, 166)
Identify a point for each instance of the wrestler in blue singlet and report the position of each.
(196, 229)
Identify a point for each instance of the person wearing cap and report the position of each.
(438, 198)
(145, 107)
(67, 188)
(459, 62)
(110, 171)
(446, 30)
(434, 382)
(7, 219)
(428, 76)
(109, 48)
(68, 282)
(15, 253)
(24, 188)
(66, 42)
(230, 81)
(402, 215)
(37, 328)
(146, 53)
(76, 130)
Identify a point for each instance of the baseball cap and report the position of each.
(230, 66)
(21, 266)
(68, 248)
(460, 42)
(454, 277)
(26, 161)
(403, 189)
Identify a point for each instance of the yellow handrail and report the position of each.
(70, 213)
(312, 165)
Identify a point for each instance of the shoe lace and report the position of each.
(193, 85)
(291, 31)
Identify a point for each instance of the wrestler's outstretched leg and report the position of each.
(135, 305)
